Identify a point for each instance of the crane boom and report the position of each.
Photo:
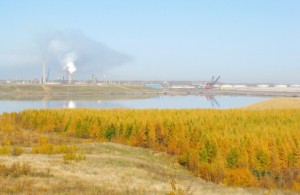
(214, 82)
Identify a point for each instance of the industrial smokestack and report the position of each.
(44, 73)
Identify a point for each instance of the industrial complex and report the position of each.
(214, 86)
(176, 87)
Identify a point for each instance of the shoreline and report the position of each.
(94, 92)
(235, 92)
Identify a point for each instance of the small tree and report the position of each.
(233, 158)
(110, 132)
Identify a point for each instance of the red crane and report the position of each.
(211, 84)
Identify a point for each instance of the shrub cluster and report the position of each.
(236, 147)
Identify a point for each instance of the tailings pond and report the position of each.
(159, 102)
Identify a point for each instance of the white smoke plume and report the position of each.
(69, 61)
(70, 67)
(74, 51)
(67, 58)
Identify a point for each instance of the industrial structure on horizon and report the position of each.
(44, 73)
(212, 84)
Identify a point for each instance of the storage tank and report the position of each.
(226, 87)
(239, 86)
(295, 86)
(153, 85)
(280, 86)
(263, 86)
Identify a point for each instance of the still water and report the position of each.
(159, 102)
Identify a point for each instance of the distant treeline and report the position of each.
(235, 147)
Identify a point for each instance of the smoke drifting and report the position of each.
(74, 51)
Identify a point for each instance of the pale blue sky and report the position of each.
(243, 41)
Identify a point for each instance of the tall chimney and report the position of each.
(44, 72)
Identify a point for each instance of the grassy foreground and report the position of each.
(108, 168)
(276, 103)
(234, 147)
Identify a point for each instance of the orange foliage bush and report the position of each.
(237, 147)
(239, 177)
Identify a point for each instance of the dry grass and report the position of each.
(109, 169)
(276, 103)
(74, 92)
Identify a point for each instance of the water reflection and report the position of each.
(70, 104)
(214, 103)
(159, 102)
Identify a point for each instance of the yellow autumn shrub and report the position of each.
(236, 147)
